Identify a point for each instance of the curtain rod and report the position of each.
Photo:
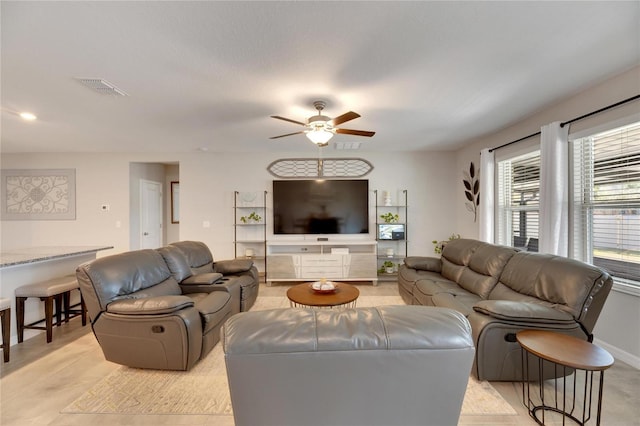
(633, 98)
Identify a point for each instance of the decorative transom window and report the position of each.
(292, 168)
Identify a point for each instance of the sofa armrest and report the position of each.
(150, 305)
(522, 312)
(422, 263)
(232, 266)
(199, 279)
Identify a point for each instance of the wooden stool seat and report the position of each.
(56, 290)
(5, 323)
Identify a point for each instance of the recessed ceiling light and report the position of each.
(27, 116)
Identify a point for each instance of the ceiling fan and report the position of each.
(320, 128)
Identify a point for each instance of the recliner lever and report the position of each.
(157, 329)
(510, 337)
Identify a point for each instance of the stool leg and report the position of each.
(48, 316)
(58, 299)
(66, 297)
(6, 333)
(20, 317)
(83, 306)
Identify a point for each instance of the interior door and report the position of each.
(151, 214)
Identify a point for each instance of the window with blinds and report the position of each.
(519, 201)
(606, 202)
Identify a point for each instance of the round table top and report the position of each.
(565, 350)
(303, 294)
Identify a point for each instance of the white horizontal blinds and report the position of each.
(519, 201)
(607, 201)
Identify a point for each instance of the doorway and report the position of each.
(150, 214)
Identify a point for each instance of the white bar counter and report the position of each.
(29, 265)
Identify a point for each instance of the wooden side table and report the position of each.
(302, 295)
(566, 353)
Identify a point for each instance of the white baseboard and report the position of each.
(619, 354)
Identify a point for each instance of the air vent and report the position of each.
(102, 86)
(347, 145)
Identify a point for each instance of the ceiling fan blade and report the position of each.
(347, 116)
(288, 134)
(289, 120)
(355, 132)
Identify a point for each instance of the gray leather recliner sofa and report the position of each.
(141, 316)
(391, 365)
(501, 291)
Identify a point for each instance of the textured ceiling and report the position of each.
(423, 75)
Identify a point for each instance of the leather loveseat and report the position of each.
(192, 265)
(501, 291)
(142, 317)
(391, 365)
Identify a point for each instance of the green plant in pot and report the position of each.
(438, 246)
(253, 217)
(387, 267)
(390, 217)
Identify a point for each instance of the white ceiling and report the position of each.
(423, 75)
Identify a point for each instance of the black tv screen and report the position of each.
(320, 206)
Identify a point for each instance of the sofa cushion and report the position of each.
(462, 302)
(456, 256)
(484, 268)
(158, 305)
(234, 266)
(521, 311)
(199, 279)
(196, 252)
(176, 261)
(422, 263)
(213, 308)
(565, 283)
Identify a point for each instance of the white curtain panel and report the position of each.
(487, 189)
(554, 189)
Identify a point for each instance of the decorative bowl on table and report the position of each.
(323, 286)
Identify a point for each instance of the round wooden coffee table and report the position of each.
(302, 295)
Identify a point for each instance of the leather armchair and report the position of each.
(236, 272)
(142, 318)
(391, 365)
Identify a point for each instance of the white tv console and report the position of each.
(306, 260)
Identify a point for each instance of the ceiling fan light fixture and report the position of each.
(319, 136)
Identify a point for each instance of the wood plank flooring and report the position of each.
(41, 379)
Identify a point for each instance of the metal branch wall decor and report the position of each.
(472, 190)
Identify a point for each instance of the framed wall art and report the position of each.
(38, 194)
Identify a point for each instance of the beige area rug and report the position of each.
(204, 389)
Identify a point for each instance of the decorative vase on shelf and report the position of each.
(387, 198)
(248, 253)
(389, 252)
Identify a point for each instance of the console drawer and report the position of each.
(324, 260)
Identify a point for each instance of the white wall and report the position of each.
(207, 184)
(620, 319)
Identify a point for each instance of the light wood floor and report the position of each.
(41, 380)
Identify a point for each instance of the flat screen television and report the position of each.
(320, 207)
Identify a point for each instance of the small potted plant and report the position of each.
(390, 217)
(439, 245)
(387, 267)
(253, 217)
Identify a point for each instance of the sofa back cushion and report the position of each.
(198, 255)
(176, 261)
(565, 284)
(474, 265)
(139, 273)
(455, 257)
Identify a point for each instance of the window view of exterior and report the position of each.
(606, 212)
(519, 201)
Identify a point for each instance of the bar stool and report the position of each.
(5, 321)
(56, 290)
